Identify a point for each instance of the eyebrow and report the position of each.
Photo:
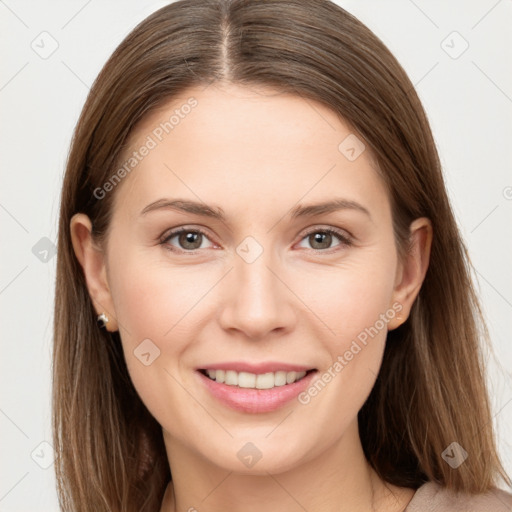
(216, 212)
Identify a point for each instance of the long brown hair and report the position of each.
(431, 389)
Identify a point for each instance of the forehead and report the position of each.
(243, 146)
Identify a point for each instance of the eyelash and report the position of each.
(343, 238)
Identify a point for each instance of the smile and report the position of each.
(258, 391)
(249, 380)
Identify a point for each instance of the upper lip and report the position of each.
(256, 368)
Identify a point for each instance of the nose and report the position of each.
(256, 300)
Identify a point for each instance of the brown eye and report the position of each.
(187, 239)
(190, 240)
(322, 239)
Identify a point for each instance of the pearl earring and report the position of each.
(102, 320)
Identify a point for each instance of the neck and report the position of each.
(338, 480)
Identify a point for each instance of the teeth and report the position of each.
(253, 381)
(231, 378)
(246, 380)
(280, 378)
(290, 377)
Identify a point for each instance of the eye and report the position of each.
(188, 239)
(322, 238)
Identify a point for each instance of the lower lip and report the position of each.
(256, 400)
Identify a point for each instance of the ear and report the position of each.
(412, 270)
(93, 262)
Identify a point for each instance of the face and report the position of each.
(258, 287)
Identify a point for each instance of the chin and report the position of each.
(258, 456)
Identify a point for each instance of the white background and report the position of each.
(468, 100)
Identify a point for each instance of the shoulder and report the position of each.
(432, 497)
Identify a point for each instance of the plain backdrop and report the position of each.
(458, 55)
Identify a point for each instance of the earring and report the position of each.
(102, 320)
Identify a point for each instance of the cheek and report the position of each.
(358, 310)
(160, 308)
(153, 299)
(156, 306)
(350, 297)
(355, 302)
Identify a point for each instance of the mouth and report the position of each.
(248, 380)
(267, 388)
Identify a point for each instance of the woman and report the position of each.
(263, 300)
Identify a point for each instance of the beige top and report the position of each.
(431, 497)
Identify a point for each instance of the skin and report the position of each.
(256, 154)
